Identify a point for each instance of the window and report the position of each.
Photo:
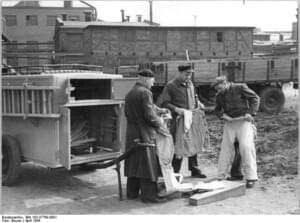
(74, 18)
(10, 20)
(51, 20)
(219, 37)
(64, 17)
(31, 20)
(88, 16)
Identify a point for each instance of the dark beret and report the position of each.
(185, 67)
(146, 73)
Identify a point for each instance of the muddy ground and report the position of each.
(41, 191)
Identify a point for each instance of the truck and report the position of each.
(61, 116)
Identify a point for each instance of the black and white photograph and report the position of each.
(149, 107)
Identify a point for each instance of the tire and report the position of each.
(271, 100)
(11, 160)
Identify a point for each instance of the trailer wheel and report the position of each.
(271, 99)
(11, 160)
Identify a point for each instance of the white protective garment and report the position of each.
(244, 132)
(188, 119)
(165, 152)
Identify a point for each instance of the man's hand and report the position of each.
(164, 111)
(163, 131)
(179, 111)
(226, 117)
(200, 106)
(249, 117)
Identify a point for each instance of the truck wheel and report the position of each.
(11, 160)
(271, 99)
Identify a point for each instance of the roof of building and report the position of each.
(45, 4)
(79, 24)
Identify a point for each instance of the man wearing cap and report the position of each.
(237, 104)
(142, 166)
(178, 96)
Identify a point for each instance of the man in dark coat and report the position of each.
(142, 167)
(179, 95)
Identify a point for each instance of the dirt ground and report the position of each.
(41, 191)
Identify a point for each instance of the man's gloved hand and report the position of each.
(179, 111)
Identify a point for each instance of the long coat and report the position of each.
(142, 123)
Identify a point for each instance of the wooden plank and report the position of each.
(32, 101)
(9, 101)
(44, 102)
(38, 101)
(4, 109)
(232, 189)
(22, 102)
(49, 99)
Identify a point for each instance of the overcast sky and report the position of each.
(267, 15)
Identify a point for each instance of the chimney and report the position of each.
(122, 13)
(150, 12)
(139, 18)
(67, 4)
(127, 18)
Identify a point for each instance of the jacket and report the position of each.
(236, 100)
(142, 123)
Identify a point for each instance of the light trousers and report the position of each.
(244, 132)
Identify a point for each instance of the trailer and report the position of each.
(61, 116)
(265, 75)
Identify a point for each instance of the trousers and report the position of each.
(244, 132)
(192, 163)
(147, 187)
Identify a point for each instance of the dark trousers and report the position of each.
(148, 188)
(236, 165)
(176, 163)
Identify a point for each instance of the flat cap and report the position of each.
(218, 80)
(146, 73)
(185, 67)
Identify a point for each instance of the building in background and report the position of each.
(113, 44)
(30, 28)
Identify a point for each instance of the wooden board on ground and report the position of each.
(232, 189)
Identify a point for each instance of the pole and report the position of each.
(150, 12)
(298, 34)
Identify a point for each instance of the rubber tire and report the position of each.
(271, 100)
(11, 160)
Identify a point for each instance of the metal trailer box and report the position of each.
(40, 112)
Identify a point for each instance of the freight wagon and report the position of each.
(265, 75)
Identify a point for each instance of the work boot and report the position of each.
(250, 183)
(197, 173)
